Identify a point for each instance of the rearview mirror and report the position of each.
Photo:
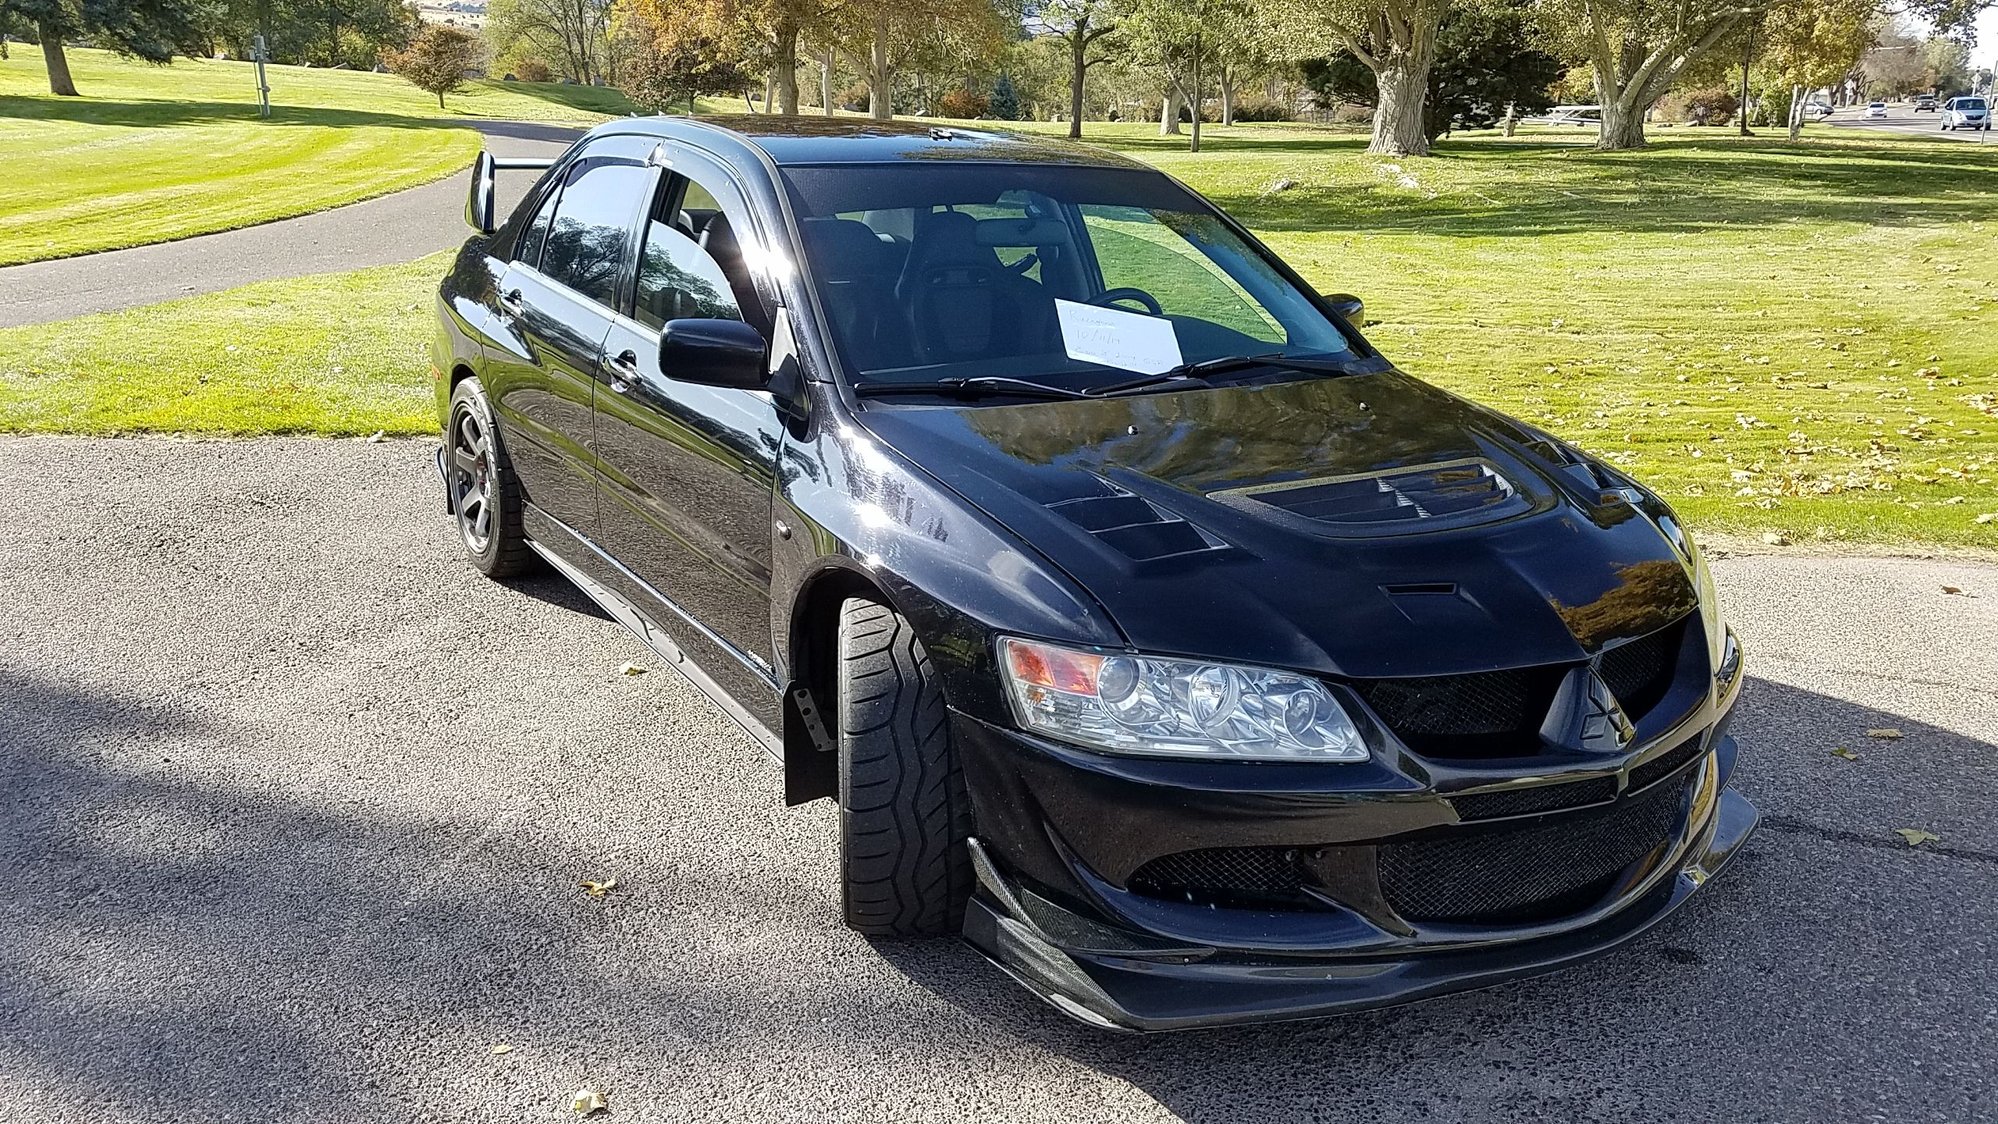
(1349, 308)
(713, 353)
(479, 201)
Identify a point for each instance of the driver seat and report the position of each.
(953, 289)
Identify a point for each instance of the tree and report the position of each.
(1083, 26)
(1005, 102)
(882, 38)
(1638, 49)
(1182, 42)
(669, 65)
(1486, 61)
(1812, 43)
(1394, 39)
(437, 59)
(574, 36)
(154, 30)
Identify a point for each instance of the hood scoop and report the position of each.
(1129, 524)
(1427, 497)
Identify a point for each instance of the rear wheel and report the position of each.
(485, 494)
(904, 815)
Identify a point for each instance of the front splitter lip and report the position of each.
(1157, 994)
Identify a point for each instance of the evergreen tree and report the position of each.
(1005, 103)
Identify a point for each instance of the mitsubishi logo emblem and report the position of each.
(1587, 716)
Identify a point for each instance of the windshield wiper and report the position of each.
(983, 386)
(1190, 372)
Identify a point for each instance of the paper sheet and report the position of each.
(1116, 338)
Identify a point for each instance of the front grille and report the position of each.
(1232, 877)
(1535, 800)
(1483, 714)
(1665, 764)
(1639, 672)
(1515, 875)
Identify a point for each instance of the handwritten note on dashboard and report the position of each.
(1115, 338)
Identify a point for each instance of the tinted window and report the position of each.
(529, 252)
(677, 279)
(592, 227)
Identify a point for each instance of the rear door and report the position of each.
(556, 303)
(687, 471)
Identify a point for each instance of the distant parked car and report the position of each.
(1966, 113)
(1876, 109)
(1926, 103)
(1817, 111)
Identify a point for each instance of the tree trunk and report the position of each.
(1078, 70)
(784, 62)
(1747, 57)
(59, 80)
(1227, 98)
(1169, 113)
(1796, 112)
(1623, 125)
(1398, 123)
(880, 97)
(825, 81)
(769, 90)
(1196, 96)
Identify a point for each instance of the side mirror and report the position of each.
(1349, 308)
(713, 353)
(479, 201)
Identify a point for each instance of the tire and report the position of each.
(904, 815)
(484, 492)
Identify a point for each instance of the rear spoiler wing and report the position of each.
(485, 170)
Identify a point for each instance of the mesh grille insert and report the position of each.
(1665, 764)
(1484, 714)
(1515, 875)
(1236, 877)
(1531, 801)
(1640, 672)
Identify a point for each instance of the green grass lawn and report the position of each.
(1779, 338)
(154, 153)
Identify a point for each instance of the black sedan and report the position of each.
(1149, 627)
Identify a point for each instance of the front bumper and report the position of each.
(1061, 834)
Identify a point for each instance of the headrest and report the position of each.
(843, 250)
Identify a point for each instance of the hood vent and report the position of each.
(1130, 525)
(1444, 494)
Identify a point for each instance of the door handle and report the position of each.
(512, 302)
(624, 370)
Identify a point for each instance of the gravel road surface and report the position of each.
(294, 807)
(393, 228)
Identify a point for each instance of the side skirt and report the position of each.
(631, 617)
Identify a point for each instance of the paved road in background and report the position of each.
(293, 808)
(1903, 119)
(393, 228)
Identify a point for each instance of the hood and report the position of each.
(1366, 526)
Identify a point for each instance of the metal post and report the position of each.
(260, 55)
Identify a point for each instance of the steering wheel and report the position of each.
(1111, 296)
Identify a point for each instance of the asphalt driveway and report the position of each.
(293, 809)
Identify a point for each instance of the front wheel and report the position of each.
(904, 815)
(484, 493)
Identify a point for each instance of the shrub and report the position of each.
(962, 103)
(853, 99)
(533, 70)
(1263, 109)
(1711, 107)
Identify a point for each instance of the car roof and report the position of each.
(852, 140)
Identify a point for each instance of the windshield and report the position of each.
(1970, 103)
(1071, 276)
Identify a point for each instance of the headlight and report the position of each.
(1723, 653)
(1177, 708)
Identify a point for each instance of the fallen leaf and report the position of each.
(586, 1100)
(1845, 754)
(1888, 733)
(1774, 538)
(1951, 589)
(632, 669)
(599, 889)
(1916, 837)
(377, 437)
(502, 1048)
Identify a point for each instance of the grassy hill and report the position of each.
(151, 153)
